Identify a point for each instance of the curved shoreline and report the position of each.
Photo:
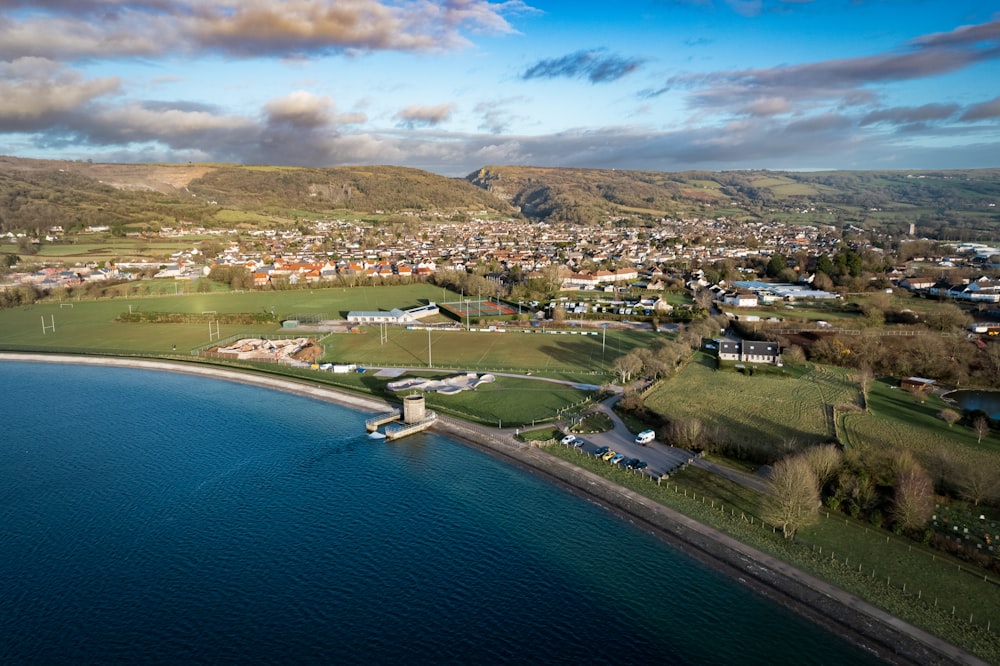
(842, 613)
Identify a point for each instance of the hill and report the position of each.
(37, 194)
(957, 205)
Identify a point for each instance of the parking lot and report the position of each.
(660, 458)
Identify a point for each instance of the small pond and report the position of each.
(987, 401)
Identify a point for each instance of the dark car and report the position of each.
(601, 451)
(631, 463)
(640, 465)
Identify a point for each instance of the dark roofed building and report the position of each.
(750, 351)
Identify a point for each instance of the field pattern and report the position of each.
(897, 420)
(759, 408)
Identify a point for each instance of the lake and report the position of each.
(151, 517)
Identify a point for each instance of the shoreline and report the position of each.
(853, 619)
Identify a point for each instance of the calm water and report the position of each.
(150, 517)
(987, 401)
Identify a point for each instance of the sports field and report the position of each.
(89, 325)
(563, 354)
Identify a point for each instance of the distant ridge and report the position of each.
(36, 194)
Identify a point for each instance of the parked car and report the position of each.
(601, 451)
(617, 459)
(630, 463)
(567, 440)
(577, 442)
(640, 465)
(609, 454)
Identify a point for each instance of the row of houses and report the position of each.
(982, 289)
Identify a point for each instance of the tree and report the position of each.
(823, 267)
(825, 461)
(977, 482)
(776, 265)
(949, 416)
(864, 377)
(823, 282)
(686, 433)
(626, 366)
(913, 498)
(794, 500)
(981, 425)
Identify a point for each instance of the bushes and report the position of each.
(192, 318)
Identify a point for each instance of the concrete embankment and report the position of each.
(892, 639)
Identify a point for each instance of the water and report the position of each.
(970, 400)
(151, 517)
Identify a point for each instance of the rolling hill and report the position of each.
(37, 194)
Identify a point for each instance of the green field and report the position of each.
(896, 420)
(764, 407)
(89, 325)
(106, 248)
(566, 355)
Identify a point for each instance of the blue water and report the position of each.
(151, 517)
(971, 400)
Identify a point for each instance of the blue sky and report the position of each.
(454, 85)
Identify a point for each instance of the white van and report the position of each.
(645, 437)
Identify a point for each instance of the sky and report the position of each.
(451, 86)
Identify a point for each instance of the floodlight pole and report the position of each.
(430, 363)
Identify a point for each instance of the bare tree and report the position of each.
(626, 366)
(794, 501)
(977, 482)
(825, 462)
(913, 499)
(686, 433)
(949, 416)
(981, 425)
(864, 377)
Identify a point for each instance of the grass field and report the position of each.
(107, 248)
(507, 402)
(765, 407)
(896, 420)
(569, 356)
(89, 325)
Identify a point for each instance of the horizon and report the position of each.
(451, 86)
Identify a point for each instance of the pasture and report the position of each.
(897, 420)
(762, 409)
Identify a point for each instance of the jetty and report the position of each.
(413, 418)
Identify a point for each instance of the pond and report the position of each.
(987, 401)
